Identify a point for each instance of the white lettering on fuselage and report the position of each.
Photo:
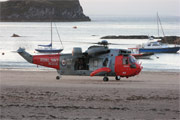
(54, 60)
(50, 61)
(44, 60)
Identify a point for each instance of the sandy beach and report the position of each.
(37, 95)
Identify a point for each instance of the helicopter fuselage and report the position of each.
(82, 65)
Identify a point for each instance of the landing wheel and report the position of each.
(105, 79)
(117, 77)
(57, 77)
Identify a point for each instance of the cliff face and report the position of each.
(42, 10)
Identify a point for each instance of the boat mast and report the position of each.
(51, 35)
(157, 24)
(160, 25)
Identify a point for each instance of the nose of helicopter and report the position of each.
(139, 68)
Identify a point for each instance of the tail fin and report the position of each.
(28, 57)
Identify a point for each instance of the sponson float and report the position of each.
(97, 60)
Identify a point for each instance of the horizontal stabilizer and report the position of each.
(28, 57)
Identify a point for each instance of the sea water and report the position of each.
(35, 33)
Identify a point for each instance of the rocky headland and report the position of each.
(166, 39)
(41, 10)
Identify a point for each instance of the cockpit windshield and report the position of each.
(132, 59)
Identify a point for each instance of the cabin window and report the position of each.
(105, 62)
(132, 59)
(155, 44)
(125, 60)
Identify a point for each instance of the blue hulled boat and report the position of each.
(48, 49)
(160, 50)
(157, 47)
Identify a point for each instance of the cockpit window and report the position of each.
(125, 60)
(132, 59)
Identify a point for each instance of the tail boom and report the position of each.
(51, 61)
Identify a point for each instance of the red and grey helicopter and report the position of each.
(97, 60)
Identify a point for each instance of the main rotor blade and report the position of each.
(119, 44)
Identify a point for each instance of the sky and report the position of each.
(131, 7)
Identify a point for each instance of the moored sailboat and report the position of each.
(153, 46)
(49, 48)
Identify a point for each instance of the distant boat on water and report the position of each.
(157, 47)
(49, 48)
(153, 46)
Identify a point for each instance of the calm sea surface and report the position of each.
(34, 33)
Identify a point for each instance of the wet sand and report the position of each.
(37, 95)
